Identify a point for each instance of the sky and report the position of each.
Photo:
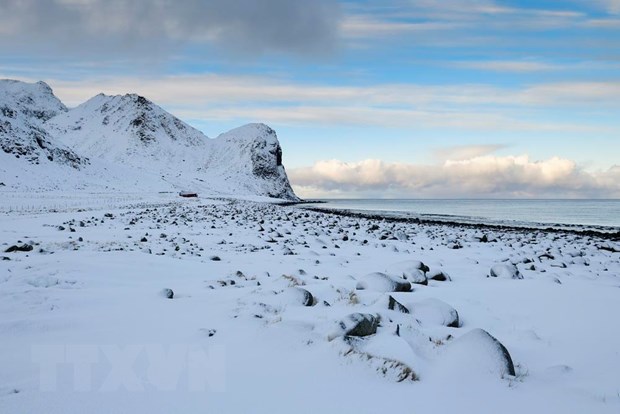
(393, 98)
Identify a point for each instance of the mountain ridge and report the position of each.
(127, 142)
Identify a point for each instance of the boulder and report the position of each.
(360, 324)
(22, 248)
(356, 324)
(506, 271)
(301, 296)
(416, 264)
(416, 276)
(412, 270)
(439, 276)
(435, 312)
(393, 304)
(381, 282)
(477, 352)
(167, 293)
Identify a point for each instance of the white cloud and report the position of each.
(278, 101)
(390, 118)
(484, 176)
(602, 23)
(222, 89)
(365, 26)
(417, 18)
(572, 93)
(522, 66)
(610, 6)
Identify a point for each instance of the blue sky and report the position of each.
(419, 98)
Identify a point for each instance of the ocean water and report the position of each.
(583, 213)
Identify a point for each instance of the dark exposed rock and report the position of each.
(609, 248)
(439, 276)
(393, 304)
(308, 299)
(359, 324)
(300, 296)
(20, 248)
(167, 293)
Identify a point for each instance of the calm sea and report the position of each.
(587, 213)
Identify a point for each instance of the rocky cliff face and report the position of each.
(255, 154)
(23, 110)
(130, 143)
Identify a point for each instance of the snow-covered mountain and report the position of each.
(127, 142)
(23, 110)
(127, 128)
(256, 155)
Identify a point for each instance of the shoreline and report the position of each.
(608, 236)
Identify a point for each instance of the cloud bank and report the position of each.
(483, 176)
(145, 27)
(281, 101)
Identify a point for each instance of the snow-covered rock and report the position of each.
(167, 293)
(439, 275)
(412, 270)
(393, 304)
(356, 324)
(433, 311)
(478, 353)
(297, 295)
(506, 271)
(381, 282)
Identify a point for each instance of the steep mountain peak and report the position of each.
(35, 100)
(24, 107)
(258, 144)
(261, 143)
(114, 126)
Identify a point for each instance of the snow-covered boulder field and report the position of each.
(162, 304)
(127, 143)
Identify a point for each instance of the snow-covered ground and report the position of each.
(269, 302)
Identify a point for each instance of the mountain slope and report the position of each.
(126, 128)
(132, 142)
(24, 108)
(131, 131)
(128, 143)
